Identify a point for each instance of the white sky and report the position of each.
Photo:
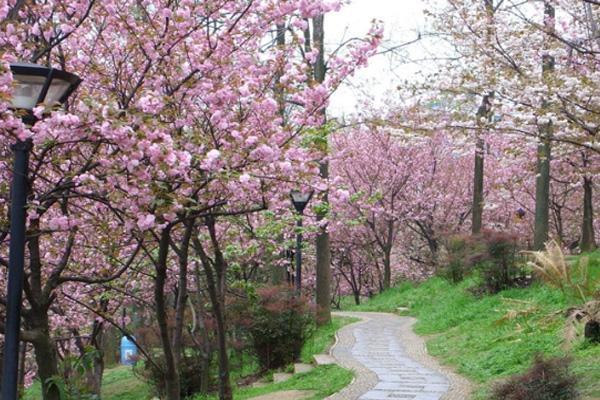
(403, 20)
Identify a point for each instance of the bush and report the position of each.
(191, 369)
(463, 253)
(547, 379)
(500, 270)
(280, 324)
(493, 254)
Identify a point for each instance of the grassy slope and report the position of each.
(494, 336)
(121, 384)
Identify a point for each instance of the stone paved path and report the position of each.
(391, 362)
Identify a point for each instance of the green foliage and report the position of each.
(500, 268)
(71, 384)
(280, 323)
(547, 379)
(494, 336)
(463, 253)
(190, 374)
(494, 255)
(317, 138)
(321, 208)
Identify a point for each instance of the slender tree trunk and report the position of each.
(478, 187)
(387, 267)
(544, 153)
(277, 271)
(387, 255)
(182, 293)
(93, 375)
(171, 376)
(45, 354)
(22, 355)
(215, 271)
(204, 345)
(484, 113)
(323, 245)
(542, 191)
(588, 239)
(37, 319)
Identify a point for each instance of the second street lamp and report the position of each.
(34, 85)
(299, 200)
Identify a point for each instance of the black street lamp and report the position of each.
(299, 200)
(34, 85)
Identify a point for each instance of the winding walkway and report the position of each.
(391, 362)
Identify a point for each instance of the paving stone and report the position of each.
(300, 368)
(286, 395)
(324, 359)
(281, 377)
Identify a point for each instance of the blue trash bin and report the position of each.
(128, 351)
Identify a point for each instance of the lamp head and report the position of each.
(38, 84)
(300, 199)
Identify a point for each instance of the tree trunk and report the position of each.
(323, 246)
(542, 192)
(357, 298)
(387, 267)
(204, 346)
(542, 189)
(45, 354)
(171, 376)
(182, 293)
(485, 113)
(278, 273)
(93, 376)
(588, 240)
(478, 187)
(215, 282)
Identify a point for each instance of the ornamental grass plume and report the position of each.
(550, 265)
(553, 268)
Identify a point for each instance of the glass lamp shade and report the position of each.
(37, 84)
(300, 199)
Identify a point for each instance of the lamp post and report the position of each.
(299, 200)
(34, 85)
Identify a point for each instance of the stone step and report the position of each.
(324, 359)
(300, 368)
(281, 377)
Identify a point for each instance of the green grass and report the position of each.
(323, 338)
(493, 336)
(323, 381)
(119, 383)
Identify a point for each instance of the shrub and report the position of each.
(493, 254)
(463, 253)
(281, 322)
(500, 267)
(192, 371)
(547, 379)
(73, 381)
